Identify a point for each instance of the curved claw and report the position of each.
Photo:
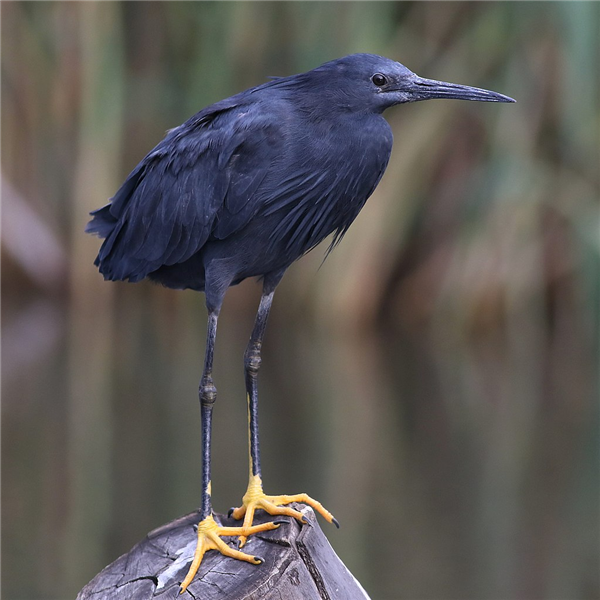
(255, 499)
(209, 538)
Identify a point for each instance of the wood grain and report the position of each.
(300, 564)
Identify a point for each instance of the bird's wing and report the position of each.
(199, 181)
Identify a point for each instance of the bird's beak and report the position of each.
(419, 88)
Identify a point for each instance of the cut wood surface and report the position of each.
(300, 564)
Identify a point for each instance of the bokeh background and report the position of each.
(434, 382)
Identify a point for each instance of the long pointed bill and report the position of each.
(426, 89)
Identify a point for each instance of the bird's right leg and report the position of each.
(209, 532)
(255, 498)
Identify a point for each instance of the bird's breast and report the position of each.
(323, 181)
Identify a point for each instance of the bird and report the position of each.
(243, 189)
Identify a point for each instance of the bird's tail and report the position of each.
(113, 264)
(102, 222)
(107, 223)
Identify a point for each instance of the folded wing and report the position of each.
(199, 182)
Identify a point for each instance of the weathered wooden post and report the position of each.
(300, 564)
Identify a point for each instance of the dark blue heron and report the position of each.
(243, 189)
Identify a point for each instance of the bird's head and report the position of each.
(376, 83)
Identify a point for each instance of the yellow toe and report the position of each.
(209, 538)
(255, 499)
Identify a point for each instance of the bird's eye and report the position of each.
(378, 79)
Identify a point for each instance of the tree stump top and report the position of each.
(300, 564)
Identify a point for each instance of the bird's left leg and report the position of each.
(255, 498)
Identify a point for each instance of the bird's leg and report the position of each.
(255, 498)
(207, 393)
(209, 532)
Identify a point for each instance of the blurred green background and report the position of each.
(434, 383)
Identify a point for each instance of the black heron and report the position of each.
(243, 189)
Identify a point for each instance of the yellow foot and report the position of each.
(255, 498)
(209, 538)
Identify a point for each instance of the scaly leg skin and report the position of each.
(209, 538)
(255, 498)
(209, 533)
